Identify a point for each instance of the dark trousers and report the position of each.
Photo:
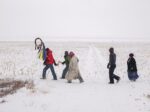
(52, 71)
(112, 76)
(65, 71)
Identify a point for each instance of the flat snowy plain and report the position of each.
(18, 60)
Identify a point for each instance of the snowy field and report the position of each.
(19, 60)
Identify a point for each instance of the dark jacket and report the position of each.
(112, 59)
(131, 63)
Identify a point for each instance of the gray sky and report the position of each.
(57, 19)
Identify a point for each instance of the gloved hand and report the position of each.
(108, 65)
(55, 63)
(44, 63)
(61, 62)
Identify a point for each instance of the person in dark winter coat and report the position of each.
(111, 66)
(66, 62)
(132, 69)
(49, 64)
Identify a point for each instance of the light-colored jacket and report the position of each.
(73, 71)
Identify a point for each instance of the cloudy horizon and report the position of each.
(24, 20)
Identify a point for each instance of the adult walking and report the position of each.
(49, 64)
(66, 62)
(73, 71)
(132, 68)
(111, 66)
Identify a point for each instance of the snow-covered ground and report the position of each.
(19, 60)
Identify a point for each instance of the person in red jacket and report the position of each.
(49, 61)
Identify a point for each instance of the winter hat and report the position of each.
(66, 53)
(111, 50)
(71, 54)
(131, 54)
(48, 50)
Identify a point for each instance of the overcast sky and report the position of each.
(80, 19)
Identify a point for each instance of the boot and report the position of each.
(81, 80)
(69, 81)
(118, 80)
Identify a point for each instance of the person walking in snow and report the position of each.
(111, 66)
(73, 71)
(66, 62)
(132, 69)
(49, 64)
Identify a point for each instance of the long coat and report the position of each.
(131, 63)
(73, 72)
(132, 69)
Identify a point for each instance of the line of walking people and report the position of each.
(131, 67)
(72, 72)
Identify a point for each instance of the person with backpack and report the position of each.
(73, 71)
(49, 61)
(66, 62)
(132, 68)
(111, 66)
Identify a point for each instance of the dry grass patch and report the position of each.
(10, 86)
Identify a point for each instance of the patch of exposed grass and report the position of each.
(10, 86)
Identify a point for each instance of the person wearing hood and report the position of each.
(73, 71)
(49, 61)
(132, 69)
(66, 62)
(111, 66)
